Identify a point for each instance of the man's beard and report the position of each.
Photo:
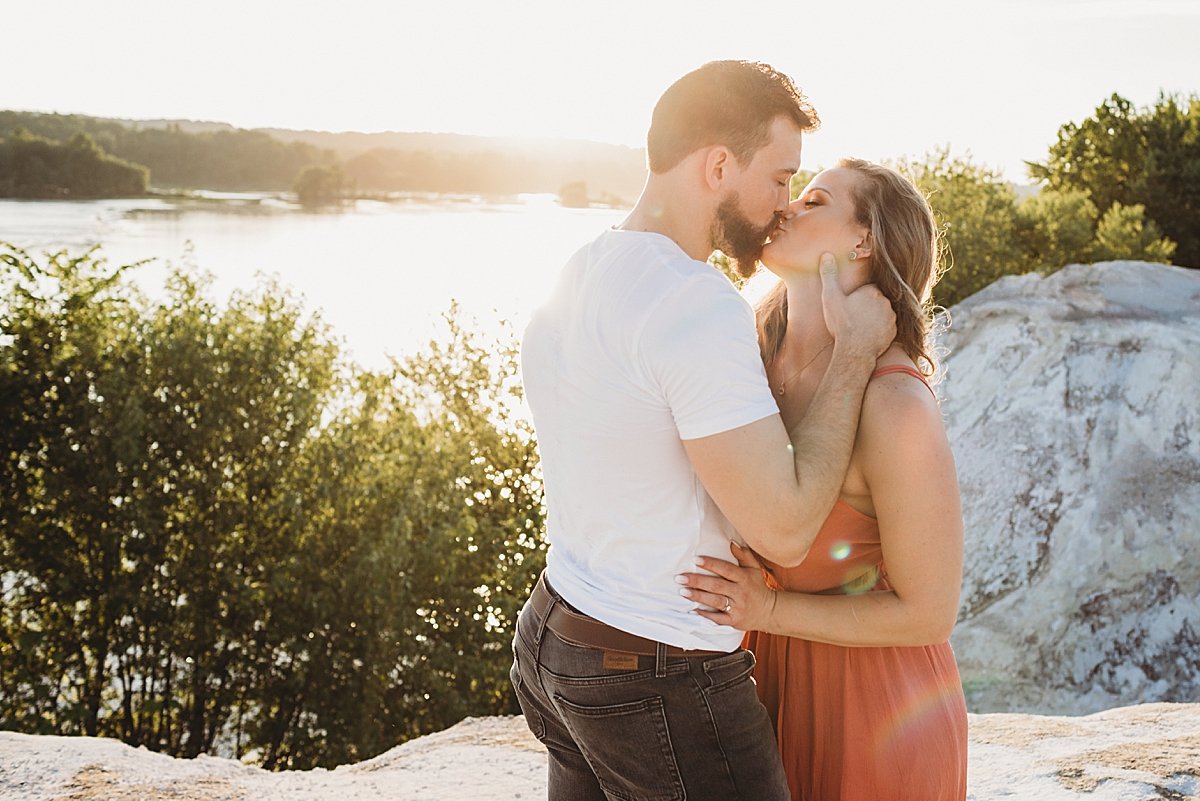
(737, 237)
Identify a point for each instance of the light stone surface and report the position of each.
(1073, 406)
(1130, 754)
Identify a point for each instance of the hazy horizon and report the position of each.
(329, 131)
(987, 78)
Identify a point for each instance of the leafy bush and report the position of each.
(1148, 157)
(216, 535)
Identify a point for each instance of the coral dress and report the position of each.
(860, 724)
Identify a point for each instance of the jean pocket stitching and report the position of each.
(533, 719)
(653, 711)
(745, 670)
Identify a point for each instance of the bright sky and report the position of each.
(890, 79)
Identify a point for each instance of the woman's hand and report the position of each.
(736, 596)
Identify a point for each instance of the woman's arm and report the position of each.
(905, 458)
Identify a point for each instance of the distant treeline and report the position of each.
(440, 162)
(34, 167)
(223, 159)
(187, 155)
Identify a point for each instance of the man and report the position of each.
(660, 442)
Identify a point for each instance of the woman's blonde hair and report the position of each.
(904, 262)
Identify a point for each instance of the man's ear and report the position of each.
(716, 166)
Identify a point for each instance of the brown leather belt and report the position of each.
(583, 630)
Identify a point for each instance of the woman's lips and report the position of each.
(779, 229)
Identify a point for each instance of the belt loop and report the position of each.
(537, 638)
(660, 660)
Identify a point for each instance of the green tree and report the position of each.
(146, 457)
(234, 394)
(977, 213)
(1055, 228)
(214, 159)
(426, 520)
(321, 186)
(1125, 155)
(1125, 233)
(217, 536)
(720, 261)
(64, 333)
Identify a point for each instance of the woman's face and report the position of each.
(821, 220)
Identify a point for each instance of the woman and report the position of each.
(854, 662)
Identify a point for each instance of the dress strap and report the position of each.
(904, 368)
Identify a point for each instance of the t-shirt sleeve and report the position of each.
(701, 350)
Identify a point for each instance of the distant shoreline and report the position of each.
(190, 155)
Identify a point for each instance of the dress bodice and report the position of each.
(846, 558)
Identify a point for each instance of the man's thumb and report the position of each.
(829, 271)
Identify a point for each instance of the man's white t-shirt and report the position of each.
(638, 348)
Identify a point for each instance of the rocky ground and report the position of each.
(1129, 754)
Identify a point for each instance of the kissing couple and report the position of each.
(754, 521)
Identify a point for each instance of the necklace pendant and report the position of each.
(779, 391)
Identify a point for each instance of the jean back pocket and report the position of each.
(628, 746)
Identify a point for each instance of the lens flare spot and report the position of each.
(839, 550)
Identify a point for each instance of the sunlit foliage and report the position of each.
(988, 233)
(1148, 157)
(217, 535)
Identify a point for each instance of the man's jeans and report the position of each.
(674, 728)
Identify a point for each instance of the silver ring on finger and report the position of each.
(728, 605)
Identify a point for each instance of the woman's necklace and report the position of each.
(783, 384)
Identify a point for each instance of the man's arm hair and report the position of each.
(775, 486)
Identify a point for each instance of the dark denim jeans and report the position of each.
(680, 728)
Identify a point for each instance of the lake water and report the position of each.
(381, 273)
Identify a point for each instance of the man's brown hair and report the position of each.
(730, 103)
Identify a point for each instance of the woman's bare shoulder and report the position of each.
(898, 404)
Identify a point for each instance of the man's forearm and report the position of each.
(823, 440)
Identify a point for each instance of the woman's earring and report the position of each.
(853, 255)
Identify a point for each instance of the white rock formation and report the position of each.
(1131, 754)
(1073, 406)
